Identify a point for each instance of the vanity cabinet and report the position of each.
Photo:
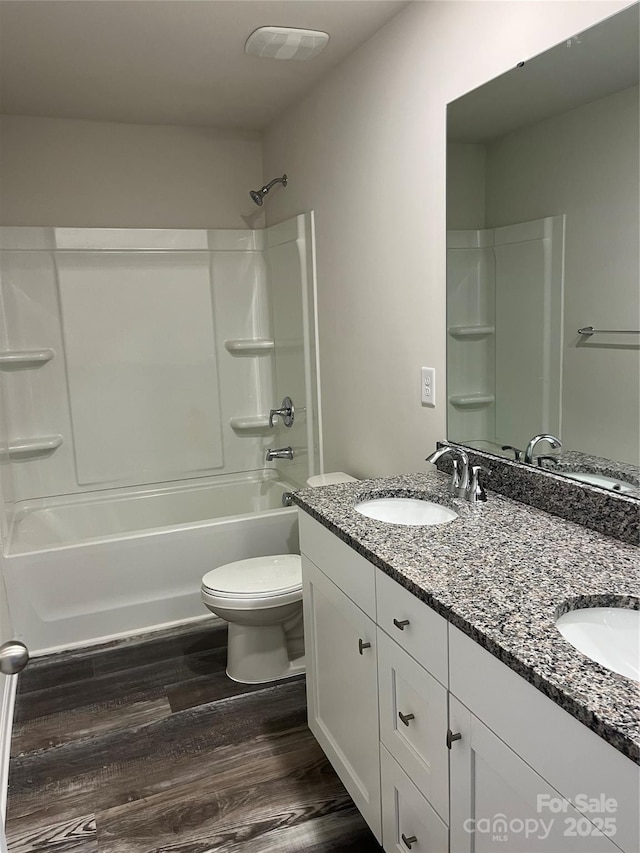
(364, 689)
(517, 745)
(342, 669)
(342, 688)
(499, 803)
(442, 747)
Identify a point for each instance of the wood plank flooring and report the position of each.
(145, 746)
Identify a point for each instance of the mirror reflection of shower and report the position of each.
(258, 195)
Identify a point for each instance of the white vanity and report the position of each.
(441, 745)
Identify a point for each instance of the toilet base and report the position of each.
(258, 654)
(296, 667)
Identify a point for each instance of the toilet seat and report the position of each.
(256, 583)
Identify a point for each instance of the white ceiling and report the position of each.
(601, 60)
(168, 61)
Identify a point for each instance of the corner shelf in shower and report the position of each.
(250, 424)
(471, 401)
(249, 346)
(16, 359)
(471, 331)
(41, 446)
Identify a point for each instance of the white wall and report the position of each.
(63, 172)
(584, 163)
(466, 185)
(366, 151)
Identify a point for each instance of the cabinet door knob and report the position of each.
(451, 737)
(406, 718)
(409, 841)
(402, 624)
(362, 646)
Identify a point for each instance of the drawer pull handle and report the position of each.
(362, 646)
(409, 841)
(402, 624)
(406, 718)
(451, 737)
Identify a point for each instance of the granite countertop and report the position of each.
(502, 572)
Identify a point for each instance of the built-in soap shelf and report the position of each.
(41, 446)
(249, 346)
(17, 359)
(250, 424)
(471, 331)
(471, 401)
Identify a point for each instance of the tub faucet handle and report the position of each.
(286, 412)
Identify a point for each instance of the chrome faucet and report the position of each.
(279, 453)
(459, 485)
(555, 443)
(286, 412)
(465, 480)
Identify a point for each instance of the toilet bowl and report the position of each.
(261, 599)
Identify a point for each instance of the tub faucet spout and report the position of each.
(279, 453)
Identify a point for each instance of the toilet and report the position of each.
(261, 599)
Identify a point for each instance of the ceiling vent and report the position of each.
(285, 43)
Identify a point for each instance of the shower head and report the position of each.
(258, 195)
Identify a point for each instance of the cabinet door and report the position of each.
(499, 803)
(408, 821)
(342, 688)
(413, 722)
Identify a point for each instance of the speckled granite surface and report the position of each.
(608, 512)
(574, 460)
(502, 572)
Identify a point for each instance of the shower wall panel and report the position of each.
(130, 378)
(141, 364)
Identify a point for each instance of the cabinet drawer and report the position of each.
(409, 824)
(413, 722)
(354, 575)
(413, 625)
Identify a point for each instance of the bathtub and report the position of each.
(110, 564)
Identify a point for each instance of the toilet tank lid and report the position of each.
(330, 479)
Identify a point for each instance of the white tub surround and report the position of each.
(137, 371)
(517, 273)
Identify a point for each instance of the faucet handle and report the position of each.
(476, 493)
(541, 459)
(516, 452)
(454, 483)
(286, 412)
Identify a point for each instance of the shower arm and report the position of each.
(282, 180)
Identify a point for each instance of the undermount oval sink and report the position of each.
(408, 511)
(598, 480)
(608, 635)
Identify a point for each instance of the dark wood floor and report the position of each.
(146, 746)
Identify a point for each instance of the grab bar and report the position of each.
(589, 330)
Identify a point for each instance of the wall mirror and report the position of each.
(543, 241)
